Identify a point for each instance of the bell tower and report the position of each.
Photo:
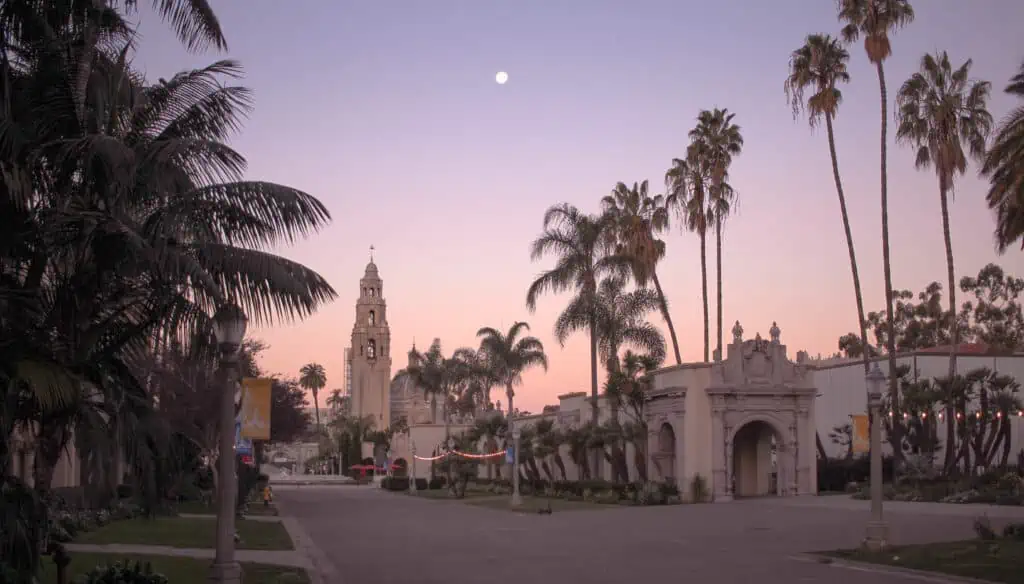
(371, 351)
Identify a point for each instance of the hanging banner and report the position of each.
(861, 433)
(255, 412)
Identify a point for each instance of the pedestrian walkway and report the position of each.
(291, 558)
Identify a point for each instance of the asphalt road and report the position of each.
(363, 535)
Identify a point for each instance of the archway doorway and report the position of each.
(755, 460)
(664, 456)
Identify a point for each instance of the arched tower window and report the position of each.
(371, 349)
(371, 292)
(373, 318)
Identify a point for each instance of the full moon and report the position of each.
(501, 77)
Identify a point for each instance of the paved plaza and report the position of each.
(362, 535)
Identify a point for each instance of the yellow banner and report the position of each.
(861, 433)
(256, 408)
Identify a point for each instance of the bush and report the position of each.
(127, 573)
(125, 491)
(421, 484)
(835, 474)
(1014, 531)
(436, 483)
(395, 483)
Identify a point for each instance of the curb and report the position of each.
(922, 575)
(321, 569)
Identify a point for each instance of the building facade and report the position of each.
(370, 351)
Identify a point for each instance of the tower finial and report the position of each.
(371, 252)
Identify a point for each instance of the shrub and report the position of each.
(983, 527)
(127, 573)
(421, 484)
(395, 483)
(1014, 531)
(125, 491)
(435, 483)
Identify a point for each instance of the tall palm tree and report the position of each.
(722, 142)
(313, 378)
(638, 217)
(941, 110)
(875, 20)
(1004, 166)
(509, 355)
(819, 66)
(581, 246)
(687, 181)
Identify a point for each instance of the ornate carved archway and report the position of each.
(757, 382)
(665, 409)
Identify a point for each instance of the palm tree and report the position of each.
(622, 322)
(875, 20)
(638, 217)
(939, 112)
(581, 245)
(626, 387)
(313, 378)
(722, 142)
(819, 65)
(509, 355)
(687, 182)
(1004, 165)
(427, 371)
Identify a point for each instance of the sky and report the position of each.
(389, 113)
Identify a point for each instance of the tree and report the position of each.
(427, 371)
(722, 142)
(1004, 166)
(627, 386)
(313, 378)
(842, 436)
(995, 313)
(941, 111)
(819, 66)
(875, 20)
(289, 420)
(509, 355)
(638, 217)
(687, 182)
(582, 246)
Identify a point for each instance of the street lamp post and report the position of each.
(517, 500)
(877, 530)
(229, 328)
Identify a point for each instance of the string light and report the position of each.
(462, 454)
(959, 415)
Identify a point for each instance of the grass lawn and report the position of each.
(181, 532)
(177, 570)
(532, 504)
(997, 561)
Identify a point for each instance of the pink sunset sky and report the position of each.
(389, 113)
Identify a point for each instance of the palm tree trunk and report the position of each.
(896, 435)
(704, 290)
(593, 382)
(665, 315)
(718, 274)
(316, 408)
(510, 394)
(954, 335)
(861, 320)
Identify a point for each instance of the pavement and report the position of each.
(354, 535)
